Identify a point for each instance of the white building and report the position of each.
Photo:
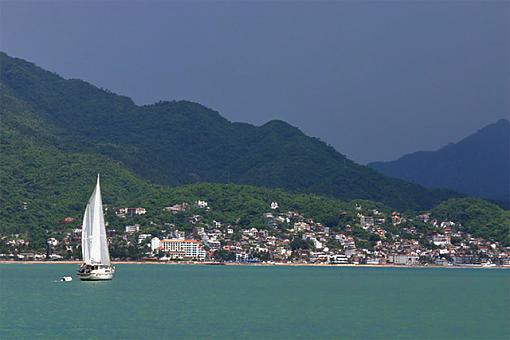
(202, 204)
(177, 208)
(441, 239)
(403, 259)
(316, 243)
(338, 259)
(214, 244)
(301, 226)
(131, 211)
(155, 243)
(366, 221)
(52, 241)
(132, 228)
(199, 230)
(180, 235)
(143, 237)
(183, 249)
(396, 219)
(242, 257)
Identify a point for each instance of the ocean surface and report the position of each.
(192, 301)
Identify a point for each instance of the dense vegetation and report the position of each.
(39, 183)
(174, 143)
(42, 182)
(478, 217)
(478, 165)
(56, 134)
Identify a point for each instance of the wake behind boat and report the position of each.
(94, 246)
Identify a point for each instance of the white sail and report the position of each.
(93, 240)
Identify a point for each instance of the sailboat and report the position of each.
(96, 264)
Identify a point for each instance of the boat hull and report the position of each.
(102, 274)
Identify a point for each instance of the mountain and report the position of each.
(478, 165)
(174, 143)
(41, 183)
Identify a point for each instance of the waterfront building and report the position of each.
(155, 243)
(404, 259)
(183, 249)
(242, 257)
(338, 259)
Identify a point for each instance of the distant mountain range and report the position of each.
(478, 165)
(55, 131)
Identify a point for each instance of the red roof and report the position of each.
(173, 240)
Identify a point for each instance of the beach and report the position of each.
(262, 264)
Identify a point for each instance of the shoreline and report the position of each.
(275, 264)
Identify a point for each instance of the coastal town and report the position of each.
(363, 236)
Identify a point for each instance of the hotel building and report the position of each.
(183, 249)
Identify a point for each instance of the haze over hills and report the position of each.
(478, 165)
(180, 142)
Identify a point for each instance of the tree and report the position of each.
(224, 255)
(299, 243)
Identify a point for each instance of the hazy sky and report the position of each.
(375, 79)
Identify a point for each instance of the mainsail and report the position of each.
(93, 235)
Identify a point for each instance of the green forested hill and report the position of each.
(42, 182)
(44, 178)
(478, 217)
(50, 183)
(178, 142)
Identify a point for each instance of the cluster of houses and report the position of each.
(373, 238)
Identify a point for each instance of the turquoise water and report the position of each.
(187, 301)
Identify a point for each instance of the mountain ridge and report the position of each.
(181, 142)
(477, 165)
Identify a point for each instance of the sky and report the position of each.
(374, 79)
